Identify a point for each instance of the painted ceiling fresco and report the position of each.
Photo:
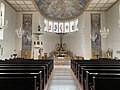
(61, 9)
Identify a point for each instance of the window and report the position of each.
(61, 27)
(2, 19)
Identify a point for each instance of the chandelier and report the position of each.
(3, 24)
(104, 32)
(20, 32)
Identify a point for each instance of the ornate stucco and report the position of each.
(61, 9)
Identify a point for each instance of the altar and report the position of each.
(61, 55)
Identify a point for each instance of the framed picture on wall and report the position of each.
(61, 28)
(56, 27)
(67, 27)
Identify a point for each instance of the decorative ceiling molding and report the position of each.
(100, 5)
(61, 9)
(23, 5)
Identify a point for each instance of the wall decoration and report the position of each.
(61, 28)
(66, 26)
(82, 3)
(95, 28)
(55, 27)
(72, 26)
(50, 26)
(61, 9)
(76, 25)
(27, 26)
(45, 25)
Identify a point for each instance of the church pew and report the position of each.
(48, 69)
(42, 79)
(80, 63)
(81, 67)
(90, 68)
(25, 74)
(106, 83)
(49, 63)
(28, 64)
(89, 74)
(18, 83)
(104, 63)
(88, 62)
(26, 67)
(83, 76)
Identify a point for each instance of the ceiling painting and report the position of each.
(61, 9)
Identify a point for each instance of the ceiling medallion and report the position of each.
(61, 9)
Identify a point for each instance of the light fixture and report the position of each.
(3, 24)
(20, 31)
(104, 32)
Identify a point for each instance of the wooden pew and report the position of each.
(95, 69)
(42, 79)
(107, 64)
(18, 66)
(18, 83)
(15, 74)
(89, 76)
(48, 63)
(95, 63)
(100, 64)
(75, 63)
(106, 83)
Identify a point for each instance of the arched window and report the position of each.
(2, 19)
(61, 27)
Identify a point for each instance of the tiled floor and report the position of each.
(62, 79)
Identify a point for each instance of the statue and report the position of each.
(109, 53)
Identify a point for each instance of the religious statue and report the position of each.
(109, 53)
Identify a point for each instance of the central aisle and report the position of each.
(62, 79)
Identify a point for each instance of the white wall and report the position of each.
(8, 43)
(114, 36)
(87, 28)
(80, 43)
(74, 41)
(49, 40)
